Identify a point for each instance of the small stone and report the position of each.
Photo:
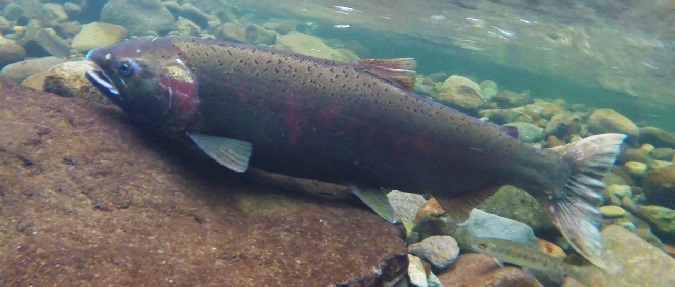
(440, 251)
(635, 169)
(550, 248)
(610, 121)
(72, 8)
(405, 207)
(620, 191)
(612, 211)
(657, 137)
(98, 34)
(553, 141)
(488, 89)
(428, 208)
(634, 154)
(627, 224)
(416, 273)
(647, 147)
(528, 132)
(628, 203)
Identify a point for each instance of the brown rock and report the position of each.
(657, 137)
(659, 186)
(68, 80)
(610, 121)
(474, 270)
(428, 208)
(550, 248)
(88, 199)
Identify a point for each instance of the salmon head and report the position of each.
(147, 79)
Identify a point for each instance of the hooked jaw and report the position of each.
(99, 79)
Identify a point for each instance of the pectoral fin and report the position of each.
(231, 153)
(377, 200)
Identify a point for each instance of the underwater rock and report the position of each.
(550, 248)
(405, 207)
(96, 34)
(661, 218)
(504, 116)
(488, 89)
(508, 99)
(635, 169)
(612, 211)
(641, 263)
(38, 40)
(68, 80)
(528, 132)
(89, 197)
(634, 154)
(282, 26)
(657, 137)
(429, 208)
(440, 251)
(477, 270)
(482, 224)
(460, 93)
(416, 273)
(192, 13)
(13, 12)
(663, 153)
(563, 125)
(19, 71)
(392, 271)
(10, 52)
(54, 13)
(312, 46)
(659, 186)
(516, 204)
(250, 34)
(185, 28)
(610, 121)
(139, 17)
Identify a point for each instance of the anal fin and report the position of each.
(460, 205)
(377, 200)
(231, 153)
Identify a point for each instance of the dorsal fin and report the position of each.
(397, 71)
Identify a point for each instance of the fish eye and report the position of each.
(125, 69)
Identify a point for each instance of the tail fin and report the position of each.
(574, 206)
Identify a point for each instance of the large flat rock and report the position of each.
(88, 199)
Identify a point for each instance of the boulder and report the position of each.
(305, 44)
(88, 198)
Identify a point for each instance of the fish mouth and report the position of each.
(101, 81)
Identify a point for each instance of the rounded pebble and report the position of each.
(636, 169)
(440, 250)
(612, 211)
